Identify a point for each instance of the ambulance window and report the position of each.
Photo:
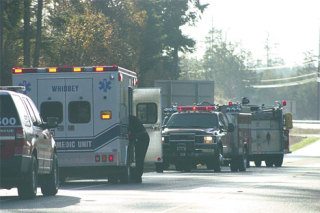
(147, 113)
(51, 109)
(79, 112)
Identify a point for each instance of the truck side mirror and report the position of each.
(52, 122)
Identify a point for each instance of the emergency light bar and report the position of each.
(18, 70)
(195, 108)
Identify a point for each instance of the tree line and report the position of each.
(140, 35)
(143, 36)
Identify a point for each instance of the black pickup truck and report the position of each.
(195, 135)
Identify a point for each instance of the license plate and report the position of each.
(181, 147)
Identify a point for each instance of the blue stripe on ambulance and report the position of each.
(88, 144)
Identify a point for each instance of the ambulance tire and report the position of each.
(50, 183)
(125, 177)
(257, 163)
(113, 179)
(27, 189)
(278, 160)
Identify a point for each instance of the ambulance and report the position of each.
(92, 105)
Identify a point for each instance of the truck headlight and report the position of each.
(208, 140)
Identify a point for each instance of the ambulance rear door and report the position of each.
(69, 99)
(147, 107)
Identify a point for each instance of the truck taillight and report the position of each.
(19, 141)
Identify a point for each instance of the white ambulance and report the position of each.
(92, 105)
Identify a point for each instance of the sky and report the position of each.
(292, 25)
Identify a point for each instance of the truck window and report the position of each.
(51, 109)
(193, 120)
(8, 112)
(147, 113)
(79, 112)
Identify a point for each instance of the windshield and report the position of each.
(193, 120)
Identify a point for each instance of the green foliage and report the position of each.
(223, 64)
(303, 143)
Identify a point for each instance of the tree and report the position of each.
(162, 38)
(38, 34)
(26, 32)
(226, 66)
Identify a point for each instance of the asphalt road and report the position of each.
(295, 187)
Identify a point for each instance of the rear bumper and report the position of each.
(12, 170)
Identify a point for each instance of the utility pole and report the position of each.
(318, 78)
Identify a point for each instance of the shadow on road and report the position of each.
(40, 202)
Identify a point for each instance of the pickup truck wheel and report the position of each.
(234, 165)
(242, 163)
(217, 162)
(257, 163)
(50, 183)
(269, 162)
(159, 167)
(27, 189)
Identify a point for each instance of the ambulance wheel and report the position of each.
(257, 163)
(159, 167)
(125, 177)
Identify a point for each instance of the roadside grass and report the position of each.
(303, 143)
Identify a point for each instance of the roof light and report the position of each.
(52, 69)
(284, 103)
(99, 69)
(77, 69)
(195, 108)
(17, 70)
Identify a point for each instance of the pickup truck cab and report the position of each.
(195, 135)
